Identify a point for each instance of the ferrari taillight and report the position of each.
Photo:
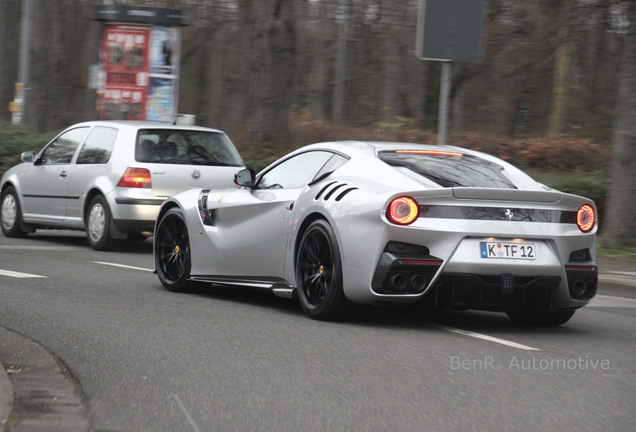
(586, 218)
(136, 178)
(403, 210)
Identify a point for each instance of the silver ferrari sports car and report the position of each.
(387, 223)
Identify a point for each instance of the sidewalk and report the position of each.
(37, 393)
(617, 275)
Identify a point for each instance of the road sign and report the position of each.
(450, 30)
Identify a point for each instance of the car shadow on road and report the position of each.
(487, 322)
(387, 317)
(77, 239)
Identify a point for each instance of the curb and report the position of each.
(45, 396)
(612, 287)
(6, 398)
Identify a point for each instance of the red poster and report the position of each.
(125, 69)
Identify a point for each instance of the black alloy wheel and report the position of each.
(172, 251)
(319, 273)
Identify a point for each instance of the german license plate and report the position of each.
(509, 250)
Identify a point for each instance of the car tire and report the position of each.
(172, 252)
(11, 214)
(544, 318)
(98, 220)
(319, 273)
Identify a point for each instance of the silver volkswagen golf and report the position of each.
(109, 178)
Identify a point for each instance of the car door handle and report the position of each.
(63, 174)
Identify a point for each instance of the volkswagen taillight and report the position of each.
(136, 178)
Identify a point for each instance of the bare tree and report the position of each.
(271, 28)
(59, 64)
(246, 64)
(562, 67)
(621, 213)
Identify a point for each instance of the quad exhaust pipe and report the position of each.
(413, 283)
(580, 288)
(417, 282)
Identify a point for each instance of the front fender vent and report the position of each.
(337, 189)
(207, 216)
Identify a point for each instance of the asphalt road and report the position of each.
(242, 360)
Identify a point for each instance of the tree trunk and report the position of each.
(271, 27)
(620, 228)
(562, 72)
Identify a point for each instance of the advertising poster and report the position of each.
(124, 79)
(139, 73)
(164, 74)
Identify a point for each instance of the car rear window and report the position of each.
(186, 148)
(449, 168)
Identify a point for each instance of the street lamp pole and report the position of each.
(24, 58)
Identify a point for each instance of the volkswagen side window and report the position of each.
(98, 146)
(62, 149)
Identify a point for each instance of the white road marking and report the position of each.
(185, 412)
(44, 248)
(486, 338)
(19, 275)
(477, 335)
(123, 266)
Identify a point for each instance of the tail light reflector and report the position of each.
(136, 178)
(403, 210)
(586, 218)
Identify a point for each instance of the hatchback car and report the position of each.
(109, 178)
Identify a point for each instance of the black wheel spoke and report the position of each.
(311, 249)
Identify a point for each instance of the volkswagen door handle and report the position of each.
(63, 174)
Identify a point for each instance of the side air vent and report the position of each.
(333, 190)
(327, 186)
(207, 216)
(345, 192)
(337, 189)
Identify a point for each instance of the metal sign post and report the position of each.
(444, 96)
(449, 31)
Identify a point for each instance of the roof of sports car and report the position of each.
(386, 145)
(372, 149)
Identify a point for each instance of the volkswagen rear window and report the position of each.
(186, 148)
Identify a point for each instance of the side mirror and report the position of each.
(245, 177)
(27, 156)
